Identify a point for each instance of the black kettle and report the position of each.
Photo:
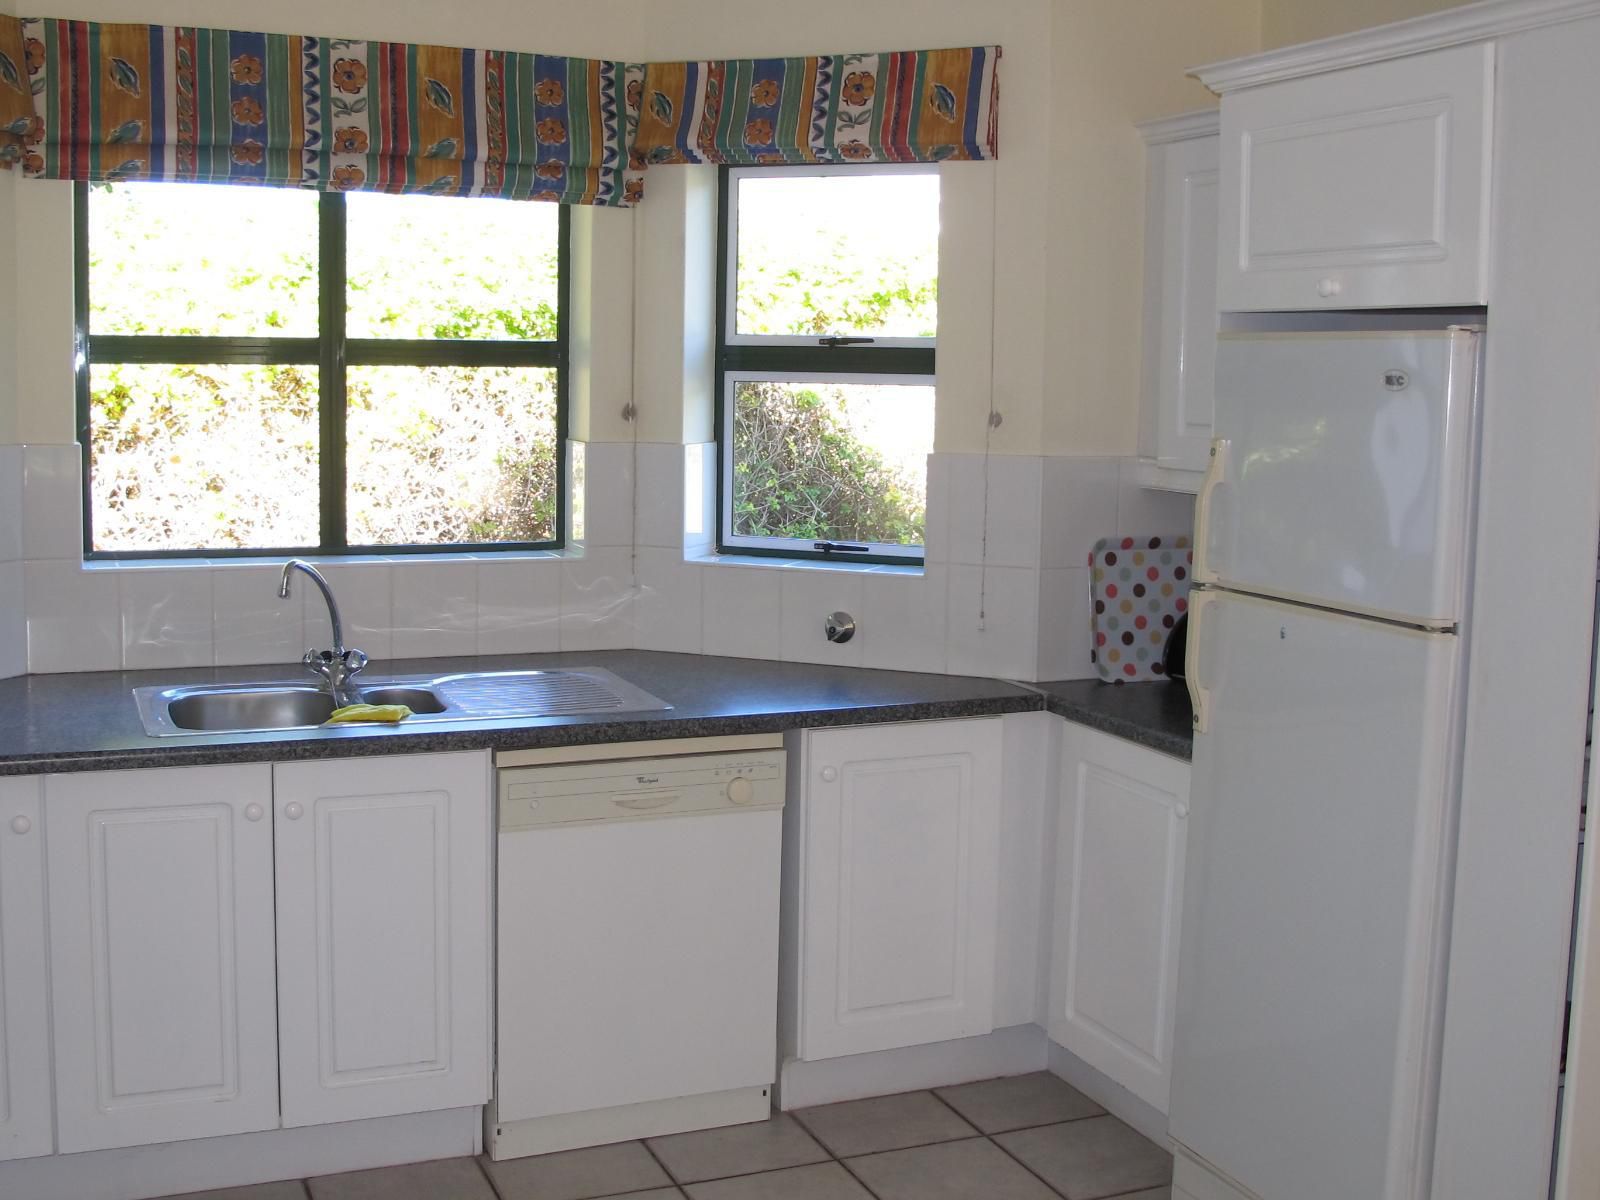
(1177, 648)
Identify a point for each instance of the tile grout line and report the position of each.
(1054, 1191)
(487, 1178)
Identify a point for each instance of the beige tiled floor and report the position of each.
(1030, 1137)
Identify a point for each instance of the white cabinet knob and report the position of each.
(1181, 808)
(20, 824)
(741, 790)
(293, 811)
(252, 812)
(1328, 288)
(829, 774)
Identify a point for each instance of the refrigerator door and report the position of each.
(1307, 1004)
(1341, 472)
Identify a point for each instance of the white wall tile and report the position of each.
(808, 596)
(74, 621)
(1142, 510)
(936, 538)
(435, 608)
(250, 624)
(741, 611)
(52, 504)
(1005, 643)
(1013, 487)
(597, 600)
(667, 605)
(363, 590)
(903, 621)
(13, 621)
(661, 495)
(1079, 506)
(10, 503)
(608, 494)
(1064, 629)
(519, 606)
(166, 617)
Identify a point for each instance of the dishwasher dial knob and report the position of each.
(741, 790)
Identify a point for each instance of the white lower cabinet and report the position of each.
(383, 935)
(898, 874)
(183, 989)
(24, 996)
(1118, 900)
(161, 954)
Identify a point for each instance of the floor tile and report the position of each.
(288, 1189)
(1088, 1160)
(972, 1170)
(666, 1193)
(444, 1179)
(1019, 1101)
(737, 1150)
(821, 1181)
(578, 1174)
(883, 1123)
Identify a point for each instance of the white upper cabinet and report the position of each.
(383, 935)
(1118, 905)
(1366, 187)
(161, 961)
(1180, 287)
(24, 1019)
(899, 875)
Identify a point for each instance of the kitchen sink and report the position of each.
(470, 696)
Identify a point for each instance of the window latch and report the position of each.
(838, 547)
(833, 343)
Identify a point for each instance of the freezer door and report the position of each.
(1307, 986)
(1342, 469)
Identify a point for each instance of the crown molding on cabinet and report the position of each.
(1453, 27)
(1202, 123)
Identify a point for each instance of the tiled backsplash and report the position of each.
(652, 581)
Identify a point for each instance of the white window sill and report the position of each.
(804, 564)
(212, 564)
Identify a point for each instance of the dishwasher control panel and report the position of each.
(624, 789)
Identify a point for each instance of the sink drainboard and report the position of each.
(557, 693)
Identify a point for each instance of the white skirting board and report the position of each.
(1194, 1180)
(623, 1123)
(1015, 1051)
(1109, 1094)
(173, 1168)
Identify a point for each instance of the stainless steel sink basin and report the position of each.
(477, 696)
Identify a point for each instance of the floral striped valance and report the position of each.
(89, 101)
(917, 106)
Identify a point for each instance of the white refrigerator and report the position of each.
(1333, 543)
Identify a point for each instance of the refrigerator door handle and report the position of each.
(1199, 694)
(1216, 469)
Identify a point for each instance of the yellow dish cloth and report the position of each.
(389, 714)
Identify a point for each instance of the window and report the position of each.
(827, 314)
(265, 370)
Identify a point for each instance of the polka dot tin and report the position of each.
(1138, 588)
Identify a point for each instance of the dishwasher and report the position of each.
(637, 941)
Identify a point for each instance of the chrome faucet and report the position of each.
(339, 666)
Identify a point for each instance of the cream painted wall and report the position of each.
(1042, 248)
(1112, 65)
(1285, 22)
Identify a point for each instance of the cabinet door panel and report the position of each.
(1186, 397)
(900, 879)
(1361, 188)
(24, 1020)
(161, 953)
(383, 922)
(1119, 894)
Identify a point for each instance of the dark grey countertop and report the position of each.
(87, 722)
(1156, 714)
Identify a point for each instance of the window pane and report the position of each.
(203, 457)
(843, 255)
(845, 462)
(443, 267)
(202, 260)
(451, 454)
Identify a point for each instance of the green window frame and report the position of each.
(332, 352)
(795, 359)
